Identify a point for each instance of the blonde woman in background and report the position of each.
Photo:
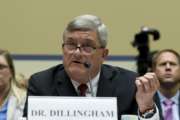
(22, 81)
(12, 93)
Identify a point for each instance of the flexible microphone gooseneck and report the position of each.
(88, 66)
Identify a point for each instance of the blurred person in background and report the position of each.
(12, 93)
(166, 65)
(22, 81)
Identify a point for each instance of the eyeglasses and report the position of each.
(3, 66)
(83, 48)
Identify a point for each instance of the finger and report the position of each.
(139, 85)
(156, 81)
(153, 81)
(144, 83)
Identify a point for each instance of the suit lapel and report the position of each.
(158, 103)
(11, 108)
(105, 87)
(64, 87)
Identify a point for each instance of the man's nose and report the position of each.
(168, 66)
(78, 49)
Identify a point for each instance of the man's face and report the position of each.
(5, 73)
(168, 69)
(82, 47)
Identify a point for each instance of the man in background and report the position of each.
(166, 65)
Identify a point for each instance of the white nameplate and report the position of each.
(72, 108)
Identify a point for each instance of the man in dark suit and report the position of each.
(84, 48)
(166, 65)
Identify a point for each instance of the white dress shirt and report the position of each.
(92, 86)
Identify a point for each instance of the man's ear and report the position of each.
(105, 53)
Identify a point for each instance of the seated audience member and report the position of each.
(22, 81)
(166, 65)
(12, 96)
(85, 49)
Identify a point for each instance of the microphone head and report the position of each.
(87, 65)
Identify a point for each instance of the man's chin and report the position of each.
(168, 84)
(78, 74)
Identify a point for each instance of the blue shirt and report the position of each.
(3, 111)
(174, 107)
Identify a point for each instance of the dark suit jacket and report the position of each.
(158, 103)
(113, 82)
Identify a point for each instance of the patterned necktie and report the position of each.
(168, 109)
(82, 89)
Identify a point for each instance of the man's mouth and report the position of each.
(77, 62)
(168, 75)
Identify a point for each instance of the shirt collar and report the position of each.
(94, 83)
(174, 98)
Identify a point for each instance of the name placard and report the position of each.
(72, 108)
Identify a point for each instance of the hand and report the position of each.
(147, 85)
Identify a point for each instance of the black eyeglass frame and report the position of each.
(3, 66)
(81, 48)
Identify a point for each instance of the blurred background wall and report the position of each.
(31, 29)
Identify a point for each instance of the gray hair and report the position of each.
(89, 23)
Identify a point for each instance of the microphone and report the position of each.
(88, 66)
